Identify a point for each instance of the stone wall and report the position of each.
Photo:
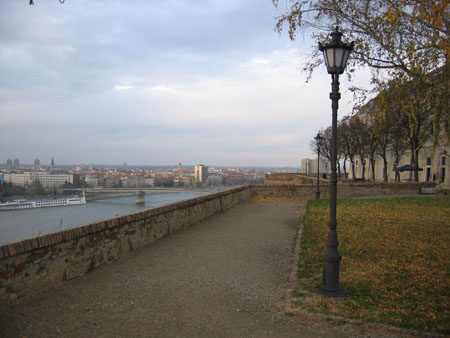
(291, 179)
(345, 190)
(382, 189)
(34, 264)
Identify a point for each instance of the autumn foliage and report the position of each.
(405, 43)
(395, 265)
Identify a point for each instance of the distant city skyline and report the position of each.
(136, 165)
(151, 83)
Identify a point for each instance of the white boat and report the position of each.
(57, 202)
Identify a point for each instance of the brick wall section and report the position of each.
(34, 264)
(345, 190)
(383, 189)
(291, 179)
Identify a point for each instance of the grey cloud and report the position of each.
(61, 66)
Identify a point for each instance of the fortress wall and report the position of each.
(345, 190)
(291, 179)
(38, 263)
(377, 189)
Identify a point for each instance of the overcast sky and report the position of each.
(155, 83)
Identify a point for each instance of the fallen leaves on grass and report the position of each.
(396, 261)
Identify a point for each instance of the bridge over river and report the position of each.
(96, 194)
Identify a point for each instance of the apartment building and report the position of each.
(47, 180)
(200, 173)
(309, 166)
(434, 164)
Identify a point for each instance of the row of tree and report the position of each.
(358, 139)
(401, 117)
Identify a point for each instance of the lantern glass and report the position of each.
(329, 57)
(346, 55)
(326, 59)
(339, 55)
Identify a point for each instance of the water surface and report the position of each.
(17, 225)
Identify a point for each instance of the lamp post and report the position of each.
(336, 54)
(318, 139)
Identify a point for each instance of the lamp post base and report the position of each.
(339, 293)
(317, 195)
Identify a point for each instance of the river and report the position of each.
(16, 225)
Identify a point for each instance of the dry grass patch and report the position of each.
(395, 266)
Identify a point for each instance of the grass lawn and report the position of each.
(395, 262)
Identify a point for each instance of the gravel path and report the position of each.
(220, 278)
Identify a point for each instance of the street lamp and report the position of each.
(336, 54)
(318, 139)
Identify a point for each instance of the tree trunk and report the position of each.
(372, 162)
(385, 176)
(353, 170)
(414, 163)
(363, 177)
(345, 166)
(416, 166)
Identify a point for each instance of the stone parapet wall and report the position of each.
(345, 190)
(382, 189)
(34, 264)
(306, 191)
(291, 179)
